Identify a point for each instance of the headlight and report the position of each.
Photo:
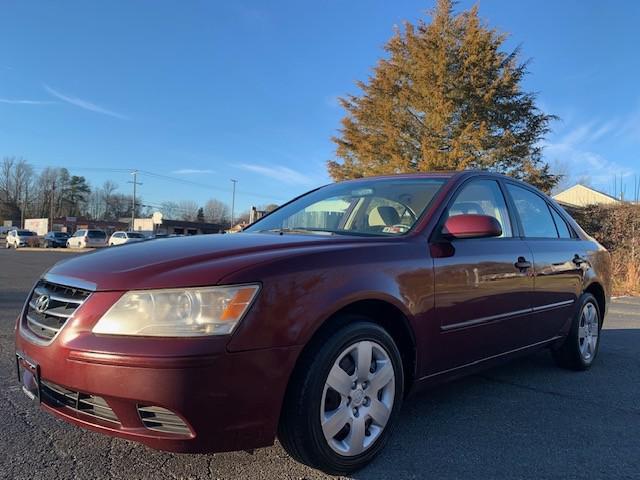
(184, 312)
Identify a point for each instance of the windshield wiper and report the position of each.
(314, 231)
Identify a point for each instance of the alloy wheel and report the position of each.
(358, 397)
(588, 332)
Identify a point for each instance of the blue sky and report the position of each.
(209, 91)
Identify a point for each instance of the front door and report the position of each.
(483, 286)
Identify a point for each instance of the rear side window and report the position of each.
(563, 228)
(96, 234)
(534, 213)
(483, 197)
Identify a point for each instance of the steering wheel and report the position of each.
(400, 226)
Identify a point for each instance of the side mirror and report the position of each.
(471, 226)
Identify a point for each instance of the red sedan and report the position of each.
(315, 322)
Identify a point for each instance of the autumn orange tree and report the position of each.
(446, 97)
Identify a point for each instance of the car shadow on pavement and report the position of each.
(526, 419)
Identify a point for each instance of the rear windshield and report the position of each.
(25, 233)
(96, 234)
(135, 235)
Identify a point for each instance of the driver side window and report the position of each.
(483, 197)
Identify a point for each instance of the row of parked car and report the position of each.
(83, 238)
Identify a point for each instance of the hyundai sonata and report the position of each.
(314, 323)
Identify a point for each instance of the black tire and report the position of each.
(569, 354)
(300, 431)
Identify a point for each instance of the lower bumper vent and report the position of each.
(162, 420)
(80, 402)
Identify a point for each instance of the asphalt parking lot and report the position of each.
(527, 419)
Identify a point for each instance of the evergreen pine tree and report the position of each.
(445, 98)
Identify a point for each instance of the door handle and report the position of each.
(578, 260)
(522, 263)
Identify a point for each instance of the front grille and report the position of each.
(80, 402)
(162, 420)
(50, 306)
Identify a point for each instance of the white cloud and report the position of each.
(278, 172)
(191, 171)
(26, 102)
(333, 101)
(84, 104)
(574, 154)
(630, 127)
(604, 129)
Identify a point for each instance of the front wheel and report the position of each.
(581, 346)
(343, 399)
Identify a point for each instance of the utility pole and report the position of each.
(133, 205)
(233, 201)
(24, 204)
(53, 189)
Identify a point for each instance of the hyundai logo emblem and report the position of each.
(42, 303)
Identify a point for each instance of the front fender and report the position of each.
(298, 295)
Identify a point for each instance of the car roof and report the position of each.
(448, 174)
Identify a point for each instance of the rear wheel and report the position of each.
(581, 346)
(343, 399)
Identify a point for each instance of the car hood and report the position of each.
(180, 262)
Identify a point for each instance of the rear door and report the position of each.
(482, 298)
(557, 262)
(77, 238)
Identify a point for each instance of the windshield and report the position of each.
(135, 235)
(60, 235)
(25, 233)
(96, 234)
(377, 207)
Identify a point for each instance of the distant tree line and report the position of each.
(25, 193)
(213, 211)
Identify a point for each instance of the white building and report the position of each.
(581, 196)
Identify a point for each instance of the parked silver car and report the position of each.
(87, 239)
(120, 238)
(19, 238)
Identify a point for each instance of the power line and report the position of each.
(167, 178)
(208, 186)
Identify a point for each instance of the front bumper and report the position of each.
(228, 400)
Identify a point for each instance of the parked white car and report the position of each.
(19, 238)
(120, 238)
(88, 239)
